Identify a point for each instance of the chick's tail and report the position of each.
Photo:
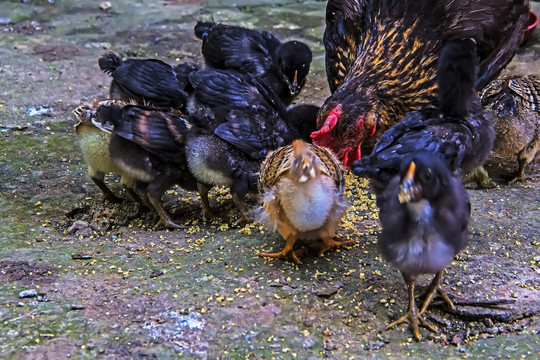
(456, 77)
(109, 62)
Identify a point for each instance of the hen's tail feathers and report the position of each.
(456, 72)
(203, 28)
(109, 62)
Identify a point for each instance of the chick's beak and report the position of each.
(294, 87)
(407, 185)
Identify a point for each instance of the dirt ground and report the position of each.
(80, 278)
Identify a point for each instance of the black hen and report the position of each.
(282, 66)
(149, 145)
(147, 81)
(459, 130)
(424, 212)
(237, 121)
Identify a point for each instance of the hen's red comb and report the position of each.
(329, 123)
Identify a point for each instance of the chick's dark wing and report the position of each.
(245, 50)
(158, 132)
(415, 133)
(152, 79)
(222, 88)
(255, 133)
(231, 89)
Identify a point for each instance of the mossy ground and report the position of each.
(114, 287)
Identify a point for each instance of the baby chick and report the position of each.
(424, 213)
(94, 143)
(514, 102)
(302, 197)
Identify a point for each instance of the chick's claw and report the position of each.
(329, 243)
(414, 318)
(291, 255)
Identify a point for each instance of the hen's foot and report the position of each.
(523, 178)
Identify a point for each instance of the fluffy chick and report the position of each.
(514, 102)
(149, 144)
(281, 66)
(237, 121)
(424, 212)
(94, 144)
(302, 197)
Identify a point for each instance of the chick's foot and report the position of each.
(433, 289)
(413, 317)
(329, 243)
(287, 254)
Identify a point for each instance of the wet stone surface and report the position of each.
(108, 285)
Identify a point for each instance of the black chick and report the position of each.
(514, 102)
(237, 121)
(459, 130)
(147, 81)
(282, 66)
(424, 212)
(149, 144)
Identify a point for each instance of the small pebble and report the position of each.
(28, 293)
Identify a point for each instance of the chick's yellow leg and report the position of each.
(206, 209)
(289, 234)
(329, 243)
(413, 316)
(434, 288)
(163, 217)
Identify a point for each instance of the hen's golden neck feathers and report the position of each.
(395, 62)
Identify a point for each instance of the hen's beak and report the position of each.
(407, 185)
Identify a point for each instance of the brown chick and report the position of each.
(515, 103)
(302, 197)
(94, 144)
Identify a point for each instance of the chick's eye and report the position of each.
(425, 176)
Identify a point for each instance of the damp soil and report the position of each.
(83, 278)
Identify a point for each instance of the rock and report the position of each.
(328, 289)
(156, 273)
(78, 225)
(28, 293)
(374, 345)
(105, 6)
(457, 339)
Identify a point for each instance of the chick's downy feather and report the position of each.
(302, 187)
